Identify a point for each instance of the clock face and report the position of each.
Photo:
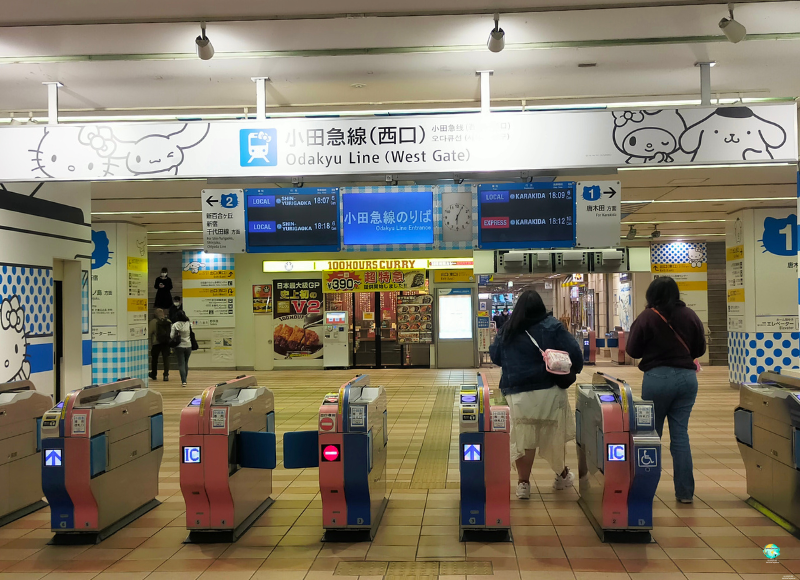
(457, 217)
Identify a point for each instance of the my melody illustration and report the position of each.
(664, 136)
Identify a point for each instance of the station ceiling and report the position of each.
(136, 60)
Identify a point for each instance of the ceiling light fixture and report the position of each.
(712, 199)
(145, 212)
(631, 233)
(205, 50)
(497, 38)
(656, 232)
(734, 31)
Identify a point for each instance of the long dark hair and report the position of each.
(663, 295)
(180, 316)
(528, 310)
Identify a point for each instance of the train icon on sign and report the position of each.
(258, 147)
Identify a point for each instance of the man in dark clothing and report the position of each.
(175, 307)
(163, 286)
(501, 318)
(158, 333)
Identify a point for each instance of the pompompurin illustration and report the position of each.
(735, 132)
(648, 136)
(100, 151)
(14, 363)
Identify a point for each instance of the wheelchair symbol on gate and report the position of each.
(647, 457)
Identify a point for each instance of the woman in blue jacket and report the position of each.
(541, 417)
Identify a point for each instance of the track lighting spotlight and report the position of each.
(631, 233)
(497, 38)
(205, 50)
(656, 232)
(733, 30)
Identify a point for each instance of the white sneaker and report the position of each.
(564, 482)
(524, 490)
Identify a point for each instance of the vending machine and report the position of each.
(337, 351)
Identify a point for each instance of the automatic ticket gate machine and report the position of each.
(101, 450)
(21, 411)
(227, 446)
(619, 459)
(485, 465)
(767, 428)
(349, 447)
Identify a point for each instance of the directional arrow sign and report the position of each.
(472, 452)
(611, 192)
(211, 201)
(52, 457)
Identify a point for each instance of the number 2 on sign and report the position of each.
(313, 306)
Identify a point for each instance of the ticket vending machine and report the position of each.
(101, 451)
(767, 428)
(349, 447)
(338, 351)
(227, 447)
(485, 465)
(619, 459)
(21, 410)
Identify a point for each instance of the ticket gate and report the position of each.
(21, 411)
(101, 450)
(767, 428)
(619, 459)
(349, 447)
(589, 342)
(485, 466)
(227, 446)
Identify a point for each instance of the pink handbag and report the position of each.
(557, 362)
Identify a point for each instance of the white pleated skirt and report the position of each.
(541, 420)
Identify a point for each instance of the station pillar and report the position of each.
(119, 302)
(762, 292)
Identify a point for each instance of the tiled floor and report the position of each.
(717, 538)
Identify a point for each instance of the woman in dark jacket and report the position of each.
(163, 286)
(668, 337)
(540, 412)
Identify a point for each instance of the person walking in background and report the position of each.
(668, 336)
(159, 332)
(181, 334)
(175, 307)
(163, 286)
(541, 417)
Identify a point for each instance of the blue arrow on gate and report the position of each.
(472, 453)
(52, 458)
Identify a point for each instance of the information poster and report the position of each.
(137, 282)
(104, 282)
(455, 314)
(294, 220)
(415, 319)
(262, 298)
(298, 319)
(484, 332)
(526, 215)
(734, 274)
(222, 346)
(209, 289)
(687, 264)
(387, 218)
(372, 280)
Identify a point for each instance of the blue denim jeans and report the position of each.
(673, 391)
(183, 355)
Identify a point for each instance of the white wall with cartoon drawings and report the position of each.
(43, 227)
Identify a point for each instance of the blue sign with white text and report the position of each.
(387, 218)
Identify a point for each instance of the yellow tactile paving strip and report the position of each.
(717, 538)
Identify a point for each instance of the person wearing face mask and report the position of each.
(177, 306)
(163, 286)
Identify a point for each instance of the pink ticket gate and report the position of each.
(485, 465)
(227, 447)
(619, 459)
(349, 447)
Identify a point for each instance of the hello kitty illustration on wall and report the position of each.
(95, 151)
(664, 136)
(14, 360)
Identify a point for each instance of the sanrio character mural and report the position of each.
(100, 151)
(14, 363)
(648, 136)
(695, 258)
(732, 133)
(194, 267)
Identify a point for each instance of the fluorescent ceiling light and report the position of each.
(144, 212)
(193, 231)
(673, 222)
(715, 199)
(174, 245)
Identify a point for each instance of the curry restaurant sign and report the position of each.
(471, 142)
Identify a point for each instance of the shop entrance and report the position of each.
(379, 335)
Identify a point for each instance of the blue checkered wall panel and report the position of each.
(752, 353)
(677, 252)
(209, 261)
(114, 360)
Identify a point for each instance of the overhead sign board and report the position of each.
(526, 215)
(387, 218)
(598, 206)
(399, 144)
(223, 221)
